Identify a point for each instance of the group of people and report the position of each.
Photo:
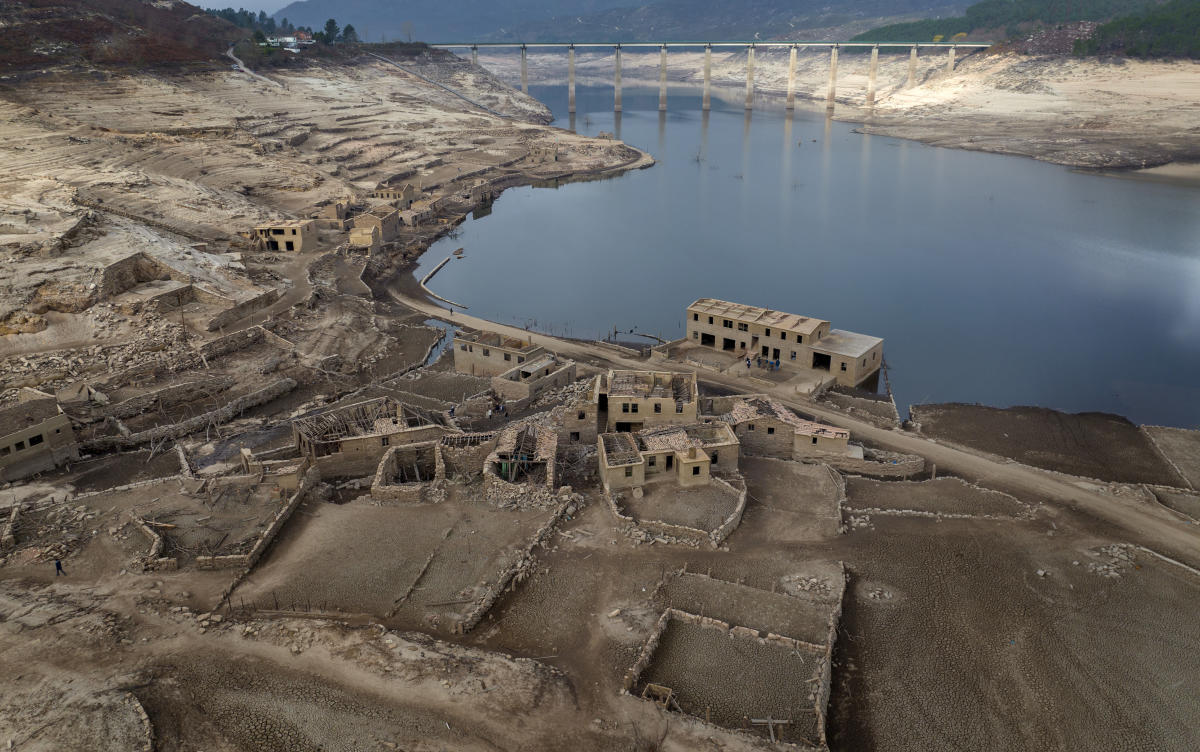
(498, 409)
(767, 363)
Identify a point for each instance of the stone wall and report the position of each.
(516, 572)
(8, 538)
(311, 476)
(467, 462)
(165, 397)
(877, 463)
(239, 310)
(213, 417)
(153, 560)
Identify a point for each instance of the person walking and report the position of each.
(58, 570)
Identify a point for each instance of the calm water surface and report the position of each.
(993, 279)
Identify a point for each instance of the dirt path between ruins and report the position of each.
(1159, 533)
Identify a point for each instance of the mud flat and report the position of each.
(1091, 445)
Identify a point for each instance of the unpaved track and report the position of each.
(1158, 533)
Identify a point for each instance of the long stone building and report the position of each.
(797, 342)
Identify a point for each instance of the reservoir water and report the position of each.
(993, 279)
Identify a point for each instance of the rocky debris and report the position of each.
(1112, 560)
(1059, 40)
(798, 583)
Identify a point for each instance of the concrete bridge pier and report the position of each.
(617, 81)
(662, 78)
(871, 76)
(912, 68)
(829, 97)
(791, 91)
(571, 79)
(524, 72)
(750, 77)
(706, 103)
(474, 55)
(950, 61)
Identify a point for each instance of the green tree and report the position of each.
(331, 31)
(259, 36)
(349, 35)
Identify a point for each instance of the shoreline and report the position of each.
(1084, 114)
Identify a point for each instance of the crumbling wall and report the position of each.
(166, 397)
(689, 536)
(131, 271)
(877, 463)
(239, 310)
(517, 571)
(467, 462)
(735, 517)
(385, 488)
(311, 477)
(821, 699)
(153, 560)
(8, 537)
(213, 417)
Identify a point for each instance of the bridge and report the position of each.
(750, 47)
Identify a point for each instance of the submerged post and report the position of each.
(617, 82)
(706, 104)
(829, 97)
(871, 76)
(524, 72)
(750, 77)
(791, 94)
(950, 61)
(474, 55)
(912, 67)
(662, 78)
(571, 79)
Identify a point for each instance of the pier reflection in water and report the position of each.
(993, 279)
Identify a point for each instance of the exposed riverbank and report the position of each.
(1122, 114)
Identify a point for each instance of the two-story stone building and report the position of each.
(633, 400)
(482, 353)
(797, 342)
(35, 436)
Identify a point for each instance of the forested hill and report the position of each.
(1168, 30)
(996, 20)
(606, 20)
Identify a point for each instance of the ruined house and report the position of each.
(402, 198)
(543, 153)
(299, 236)
(366, 238)
(684, 454)
(524, 453)
(797, 342)
(387, 222)
(482, 353)
(768, 428)
(333, 215)
(633, 400)
(35, 436)
(352, 439)
(525, 382)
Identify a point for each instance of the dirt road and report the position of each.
(1144, 527)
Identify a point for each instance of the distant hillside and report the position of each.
(45, 33)
(603, 20)
(996, 20)
(1168, 30)
(721, 19)
(432, 20)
